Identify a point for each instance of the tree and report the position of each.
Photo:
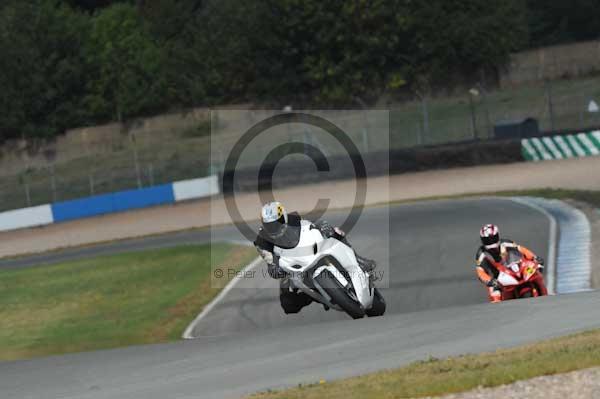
(128, 65)
(67, 63)
(43, 73)
(329, 52)
(453, 39)
(562, 21)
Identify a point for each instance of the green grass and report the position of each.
(442, 376)
(111, 301)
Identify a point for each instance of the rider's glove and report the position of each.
(494, 283)
(275, 271)
(267, 256)
(539, 260)
(339, 232)
(329, 231)
(325, 228)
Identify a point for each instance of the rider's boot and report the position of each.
(494, 295)
(367, 265)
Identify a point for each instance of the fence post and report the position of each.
(550, 104)
(27, 194)
(488, 123)
(111, 181)
(136, 160)
(425, 119)
(420, 139)
(365, 139)
(53, 183)
(151, 173)
(91, 180)
(473, 119)
(307, 138)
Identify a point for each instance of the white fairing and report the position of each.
(507, 280)
(312, 247)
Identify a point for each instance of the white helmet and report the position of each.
(274, 219)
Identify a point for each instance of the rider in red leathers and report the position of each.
(492, 250)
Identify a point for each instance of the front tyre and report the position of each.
(526, 294)
(529, 291)
(338, 295)
(378, 308)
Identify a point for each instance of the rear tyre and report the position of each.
(338, 295)
(378, 308)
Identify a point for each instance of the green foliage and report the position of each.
(127, 65)
(456, 38)
(68, 63)
(331, 52)
(43, 72)
(563, 21)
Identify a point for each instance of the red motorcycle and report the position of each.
(520, 277)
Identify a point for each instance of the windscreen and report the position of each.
(514, 256)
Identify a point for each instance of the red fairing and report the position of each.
(526, 281)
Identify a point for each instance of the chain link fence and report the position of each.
(142, 163)
(472, 115)
(166, 155)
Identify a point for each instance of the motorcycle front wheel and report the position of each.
(528, 292)
(378, 308)
(338, 295)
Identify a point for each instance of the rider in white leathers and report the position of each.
(282, 230)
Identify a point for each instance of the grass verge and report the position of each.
(437, 377)
(134, 298)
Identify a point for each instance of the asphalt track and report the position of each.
(425, 251)
(435, 308)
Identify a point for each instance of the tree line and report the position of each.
(73, 63)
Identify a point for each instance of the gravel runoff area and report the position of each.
(566, 174)
(582, 384)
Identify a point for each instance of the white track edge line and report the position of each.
(187, 334)
(552, 242)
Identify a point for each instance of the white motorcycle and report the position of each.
(326, 269)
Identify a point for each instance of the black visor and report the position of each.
(276, 228)
(491, 240)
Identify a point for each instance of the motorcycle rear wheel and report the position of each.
(338, 295)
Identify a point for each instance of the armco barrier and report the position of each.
(196, 188)
(114, 202)
(561, 146)
(108, 203)
(26, 217)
